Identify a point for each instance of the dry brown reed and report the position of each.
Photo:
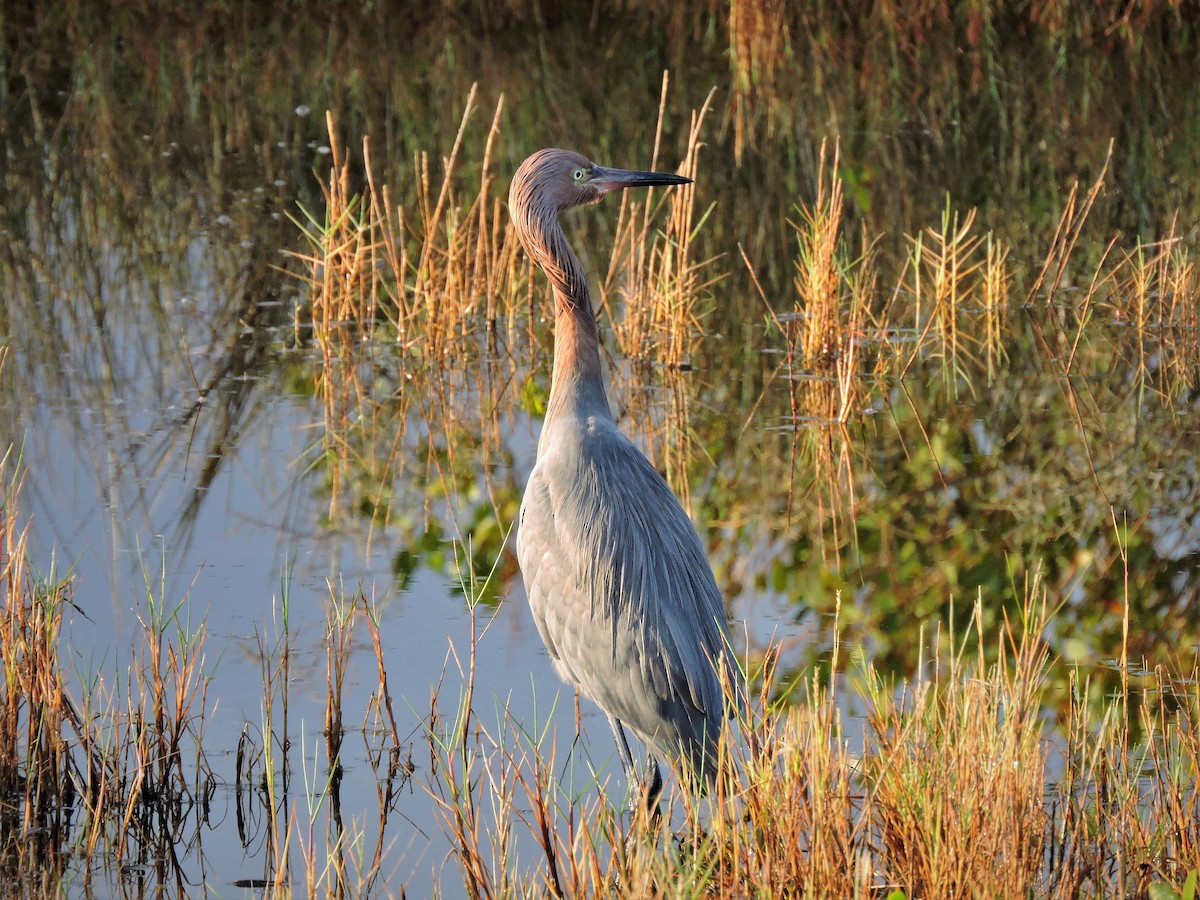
(344, 306)
(38, 769)
(434, 288)
(655, 293)
(946, 792)
(119, 771)
(995, 290)
(408, 287)
(1066, 237)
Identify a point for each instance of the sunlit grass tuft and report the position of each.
(957, 768)
(947, 791)
(429, 321)
(950, 781)
(656, 294)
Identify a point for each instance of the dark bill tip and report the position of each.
(612, 179)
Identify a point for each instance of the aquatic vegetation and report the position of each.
(919, 350)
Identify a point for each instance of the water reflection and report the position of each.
(163, 369)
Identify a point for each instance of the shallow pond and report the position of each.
(162, 381)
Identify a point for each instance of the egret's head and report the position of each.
(551, 181)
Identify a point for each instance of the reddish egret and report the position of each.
(618, 581)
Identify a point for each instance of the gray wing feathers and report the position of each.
(617, 578)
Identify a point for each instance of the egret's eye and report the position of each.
(578, 174)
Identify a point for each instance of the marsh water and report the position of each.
(160, 386)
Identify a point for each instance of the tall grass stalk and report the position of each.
(655, 292)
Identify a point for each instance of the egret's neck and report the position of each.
(576, 387)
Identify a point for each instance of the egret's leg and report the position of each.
(654, 791)
(623, 749)
(654, 782)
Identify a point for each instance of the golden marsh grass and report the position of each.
(955, 785)
(436, 289)
(951, 780)
(424, 317)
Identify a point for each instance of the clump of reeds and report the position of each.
(946, 792)
(956, 768)
(344, 304)
(38, 765)
(815, 330)
(1155, 294)
(454, 258)
(401, 295)
(419, 298)
(793, 820)
(120, 771)
(826, 329)
(1146, 292)
(830, 317)
(953, 271)
(662, 289)
(426, 266)
(121, 775)
(160, 760)
(1125, 814)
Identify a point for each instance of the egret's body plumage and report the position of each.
(618, 582)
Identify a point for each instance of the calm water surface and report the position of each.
(162, 393)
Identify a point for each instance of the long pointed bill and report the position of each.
(605, 180)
